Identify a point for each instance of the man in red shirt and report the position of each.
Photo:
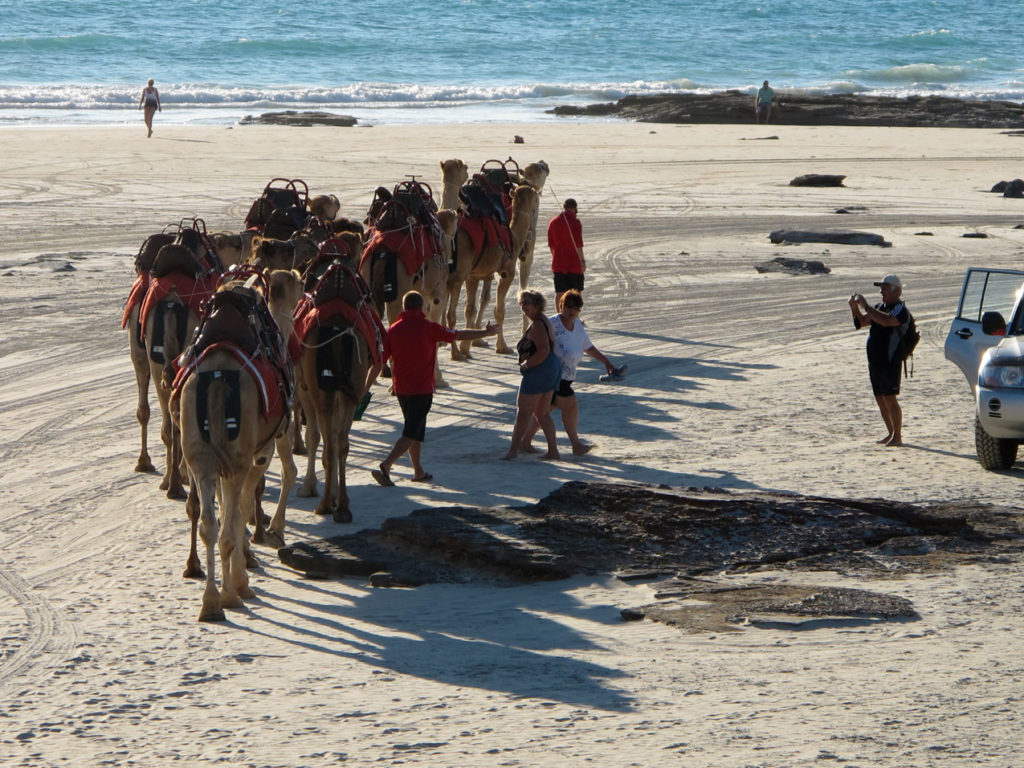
(411, 344)
(565, 240)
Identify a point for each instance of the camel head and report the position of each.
(536, 174)
(326, 207)
(268, 253)
(285, 290)
(348, 225)
(455, 172)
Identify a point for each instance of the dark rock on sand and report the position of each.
(792, 109)
(291, 117)
(700, 605)
(646, 532)
(818, 180)
(978, 235)
(844, 237)
(793, 266)
(852, 209)
(1014, 188)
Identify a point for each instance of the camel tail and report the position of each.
(217, 398)
(171, 350)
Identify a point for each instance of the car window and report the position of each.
(989, 291)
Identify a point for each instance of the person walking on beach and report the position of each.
(571, 343)
(541, 371)
(565, 241)
(763, 103)
(411, 344)
(150, 101)
(884, 363)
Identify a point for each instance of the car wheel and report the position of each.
(993, 452)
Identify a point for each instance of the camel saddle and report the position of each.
(238, 319)
(146, 257)
(281, 210)
(340, 295)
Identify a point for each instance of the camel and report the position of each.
(476, 265)
(536, 175)
(342, 338)
(184, 274)
(284, 293)
(395, 245)
(230, 420)
(137, 342)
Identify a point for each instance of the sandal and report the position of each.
(382, 477)
(427, 477)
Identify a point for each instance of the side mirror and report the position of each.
(993, 324)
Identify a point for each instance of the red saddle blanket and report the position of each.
(486, 230)
(413, 246)
(193, 292)
(135, 297)
(266, 375)
(365, 319)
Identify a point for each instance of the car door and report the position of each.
(984, 290)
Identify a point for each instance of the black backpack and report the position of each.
(908, 342)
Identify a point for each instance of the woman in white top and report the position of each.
(150, 99)
(571, 343)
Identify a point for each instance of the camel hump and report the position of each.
(176, 258)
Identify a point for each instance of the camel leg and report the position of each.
(485, 299)
(275, 532)
(298, 445)
(142, 412)
(193, 567)
(212, 609)
(504, 283)
(308, 489)
(249, 508)
(325, 411)
(525, 268)
(453, 307)
(472, 315)
(341, 511)
(234, 577)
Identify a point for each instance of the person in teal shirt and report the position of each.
(763, 103)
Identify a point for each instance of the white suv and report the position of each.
(986, 341)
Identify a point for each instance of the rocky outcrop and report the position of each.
(291, 117)
(843, 237)
(818, 180)
(793, 266)
(834, 109)
(681, 538)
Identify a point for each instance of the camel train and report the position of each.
(240, 333)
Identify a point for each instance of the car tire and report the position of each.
(994, 453)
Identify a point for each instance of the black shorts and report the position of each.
(565, 281)
(564, 389)
(415, 409)
(885, 376)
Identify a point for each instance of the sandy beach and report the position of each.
(737, 379)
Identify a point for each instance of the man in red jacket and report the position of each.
(565, 240)
(411, 344)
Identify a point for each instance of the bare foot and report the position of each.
(884, 440)
(528, 449)
(582, 449)
(549, 456)
(508, 456)
(894, 443)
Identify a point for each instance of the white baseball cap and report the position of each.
(890, 280)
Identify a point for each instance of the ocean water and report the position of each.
(214, 61)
